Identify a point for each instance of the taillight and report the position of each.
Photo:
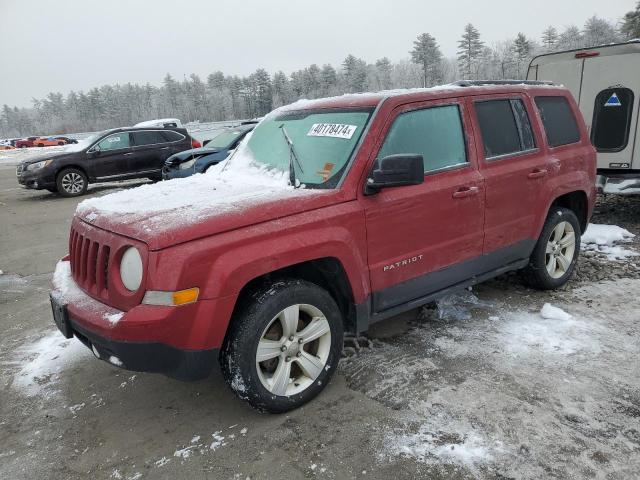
(195, 143)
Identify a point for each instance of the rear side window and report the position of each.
(435, 133)
(559, 123)
(148, 137)
(612, 119)
(505, 127)
(172, 136)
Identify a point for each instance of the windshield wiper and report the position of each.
(292, 156)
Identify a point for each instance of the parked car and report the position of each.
(605, 80)
(6, 146)
(67, 140)
(395, 199)
(25, 142)
(48, 142)
(199, 160)
(118, 154)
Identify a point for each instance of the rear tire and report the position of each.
(71, 182)
(555, 255)
(295, 327)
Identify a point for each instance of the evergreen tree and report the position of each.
(355, 72)
(522, 49)
(630, 27)
(426, 53)
(384, 69)
(469, 50)
(549, 38)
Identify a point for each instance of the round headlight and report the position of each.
(131, 269)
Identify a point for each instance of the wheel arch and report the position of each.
(77, 167)
(578, 202)
(326, 272)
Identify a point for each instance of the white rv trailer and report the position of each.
(605, 81)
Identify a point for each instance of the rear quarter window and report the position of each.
(559, 123)
(172, 136)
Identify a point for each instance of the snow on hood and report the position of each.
(167, 207)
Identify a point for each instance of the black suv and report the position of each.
(118, 154)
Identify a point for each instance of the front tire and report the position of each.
(72, 182)
(555, 255)
(283, 345)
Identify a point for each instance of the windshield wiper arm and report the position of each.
(292, 156)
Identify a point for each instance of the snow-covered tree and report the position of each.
(549, 38)
(470, 48)
(630, 27)
(570, 38)
(598, 31)
(426, 53)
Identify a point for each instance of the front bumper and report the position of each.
(175, 172)
(180, 342)
(37, 180)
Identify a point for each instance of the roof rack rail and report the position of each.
(478, 83)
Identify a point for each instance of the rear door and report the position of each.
(424, 238)
(514, 166)
(151, 149)
(111, 156)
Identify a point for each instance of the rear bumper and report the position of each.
(619, 184)
(181, 342)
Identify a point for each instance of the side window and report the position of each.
(115, 142)
(435, 133)
(612, 119)
(148, 137)
(559, 123)
(171, 136)
(505, 127)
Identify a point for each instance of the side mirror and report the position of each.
(396, 171)
(94, 151)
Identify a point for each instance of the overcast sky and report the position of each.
(75, 45)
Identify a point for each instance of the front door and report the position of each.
(424, 238)
(111, 157)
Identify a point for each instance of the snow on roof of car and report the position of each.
(160, 122)
(372, 99)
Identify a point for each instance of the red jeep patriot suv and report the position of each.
(332, 215)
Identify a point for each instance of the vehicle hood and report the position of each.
(187, 155)
(48, 156)
(185, 209)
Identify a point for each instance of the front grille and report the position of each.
(19, 170)
(90, 264)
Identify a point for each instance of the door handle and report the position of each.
(538, 173)
(130, 153)
(164, 148)
(463, 192)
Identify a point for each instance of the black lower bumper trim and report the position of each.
(150, 357)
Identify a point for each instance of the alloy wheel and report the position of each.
(560, 250)
(293, 350)
(72, 183)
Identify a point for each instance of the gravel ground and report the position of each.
(479, 385)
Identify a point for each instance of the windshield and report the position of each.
(323, 142)
(224, 139)
(85, 142)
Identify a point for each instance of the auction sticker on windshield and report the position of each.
(335, 130)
